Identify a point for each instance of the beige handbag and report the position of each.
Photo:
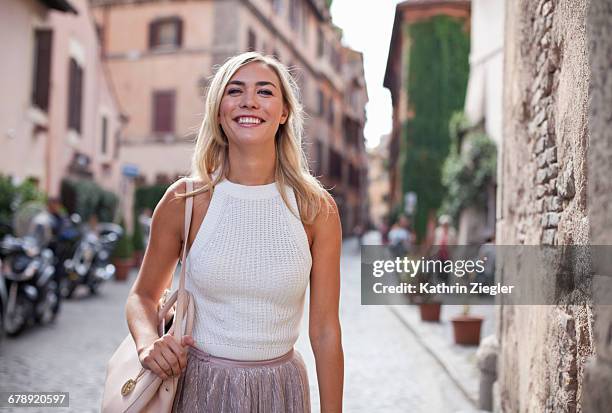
(129, 387)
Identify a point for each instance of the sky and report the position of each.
(367, 26)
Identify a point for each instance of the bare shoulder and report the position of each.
(327, 223)
(171, 208)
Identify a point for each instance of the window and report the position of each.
(320, 43)
(277, 6)
(305, 25)
(319, 158)
(321, 103)
(294, 14)
(335, 164)
(166, 33)
(330, 113)
(75, 95)
(42, 68)
(104, 135)
(163, 111)
(252, 41)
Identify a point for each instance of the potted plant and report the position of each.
(430, 305)
(466, 328)
(123, 256)
(430, 309)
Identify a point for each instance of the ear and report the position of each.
(284, 115)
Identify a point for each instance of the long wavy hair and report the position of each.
(210, 162)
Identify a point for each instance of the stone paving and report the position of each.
(70, 354)
(386, 368)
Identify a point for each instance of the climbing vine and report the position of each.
(469, 168)
(438, 70)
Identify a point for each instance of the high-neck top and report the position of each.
(248, 270)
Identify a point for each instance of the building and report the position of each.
(399, 80)
(483, 105)
(352, 185)
(59, 116)
(378, 178)
(161, 54)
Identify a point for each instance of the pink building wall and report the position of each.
(76, 37)
(23, 148)
(37, 144)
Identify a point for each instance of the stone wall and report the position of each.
(598, 377)
(543, 196)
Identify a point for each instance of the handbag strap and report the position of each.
(182, 297)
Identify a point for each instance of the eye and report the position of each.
(266, 92)
(233, 91)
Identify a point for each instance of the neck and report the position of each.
(254, 166)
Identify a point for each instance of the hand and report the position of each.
(165, 356)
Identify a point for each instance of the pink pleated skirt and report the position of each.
(213, 384)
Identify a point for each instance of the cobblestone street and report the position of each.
(386, 369)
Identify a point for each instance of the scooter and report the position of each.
(32, 289)
(90, 264)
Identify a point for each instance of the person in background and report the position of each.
(56, 212)
(400, 237)
(445, 237)
(384, 231)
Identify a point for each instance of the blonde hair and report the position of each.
(210, 162)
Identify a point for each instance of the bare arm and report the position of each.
(324, 323)
(162, 356)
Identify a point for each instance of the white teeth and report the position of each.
(249, 120)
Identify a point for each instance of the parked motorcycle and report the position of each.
(32, 290)
(90, 265)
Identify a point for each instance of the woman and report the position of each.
(262, 228)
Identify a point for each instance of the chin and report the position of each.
(254, 139)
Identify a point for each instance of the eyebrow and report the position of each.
(260, 83)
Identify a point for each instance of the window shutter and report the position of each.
(79, 97)
(252, 41)
(179, 32)
(152, 34)
(42, 68)
(75, 95)
(104, 134)
(163, 111)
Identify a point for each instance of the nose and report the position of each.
(249, 99)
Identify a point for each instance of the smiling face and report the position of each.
(252, 106)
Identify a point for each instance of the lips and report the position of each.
(248, 121)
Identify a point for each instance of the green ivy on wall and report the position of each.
(438, 69)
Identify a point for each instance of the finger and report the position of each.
(157, 369)
(172, 361)
(163, 363)
(180, 354)
(187, 341)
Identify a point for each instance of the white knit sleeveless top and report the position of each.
(248, 270)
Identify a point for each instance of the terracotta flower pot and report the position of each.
(123, 267)
(430, 311)
(466, 329)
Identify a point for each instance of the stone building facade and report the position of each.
(161, 54)
(598, 371)
(378, 181)
(553, 192)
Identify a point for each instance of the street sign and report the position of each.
(130, 170)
